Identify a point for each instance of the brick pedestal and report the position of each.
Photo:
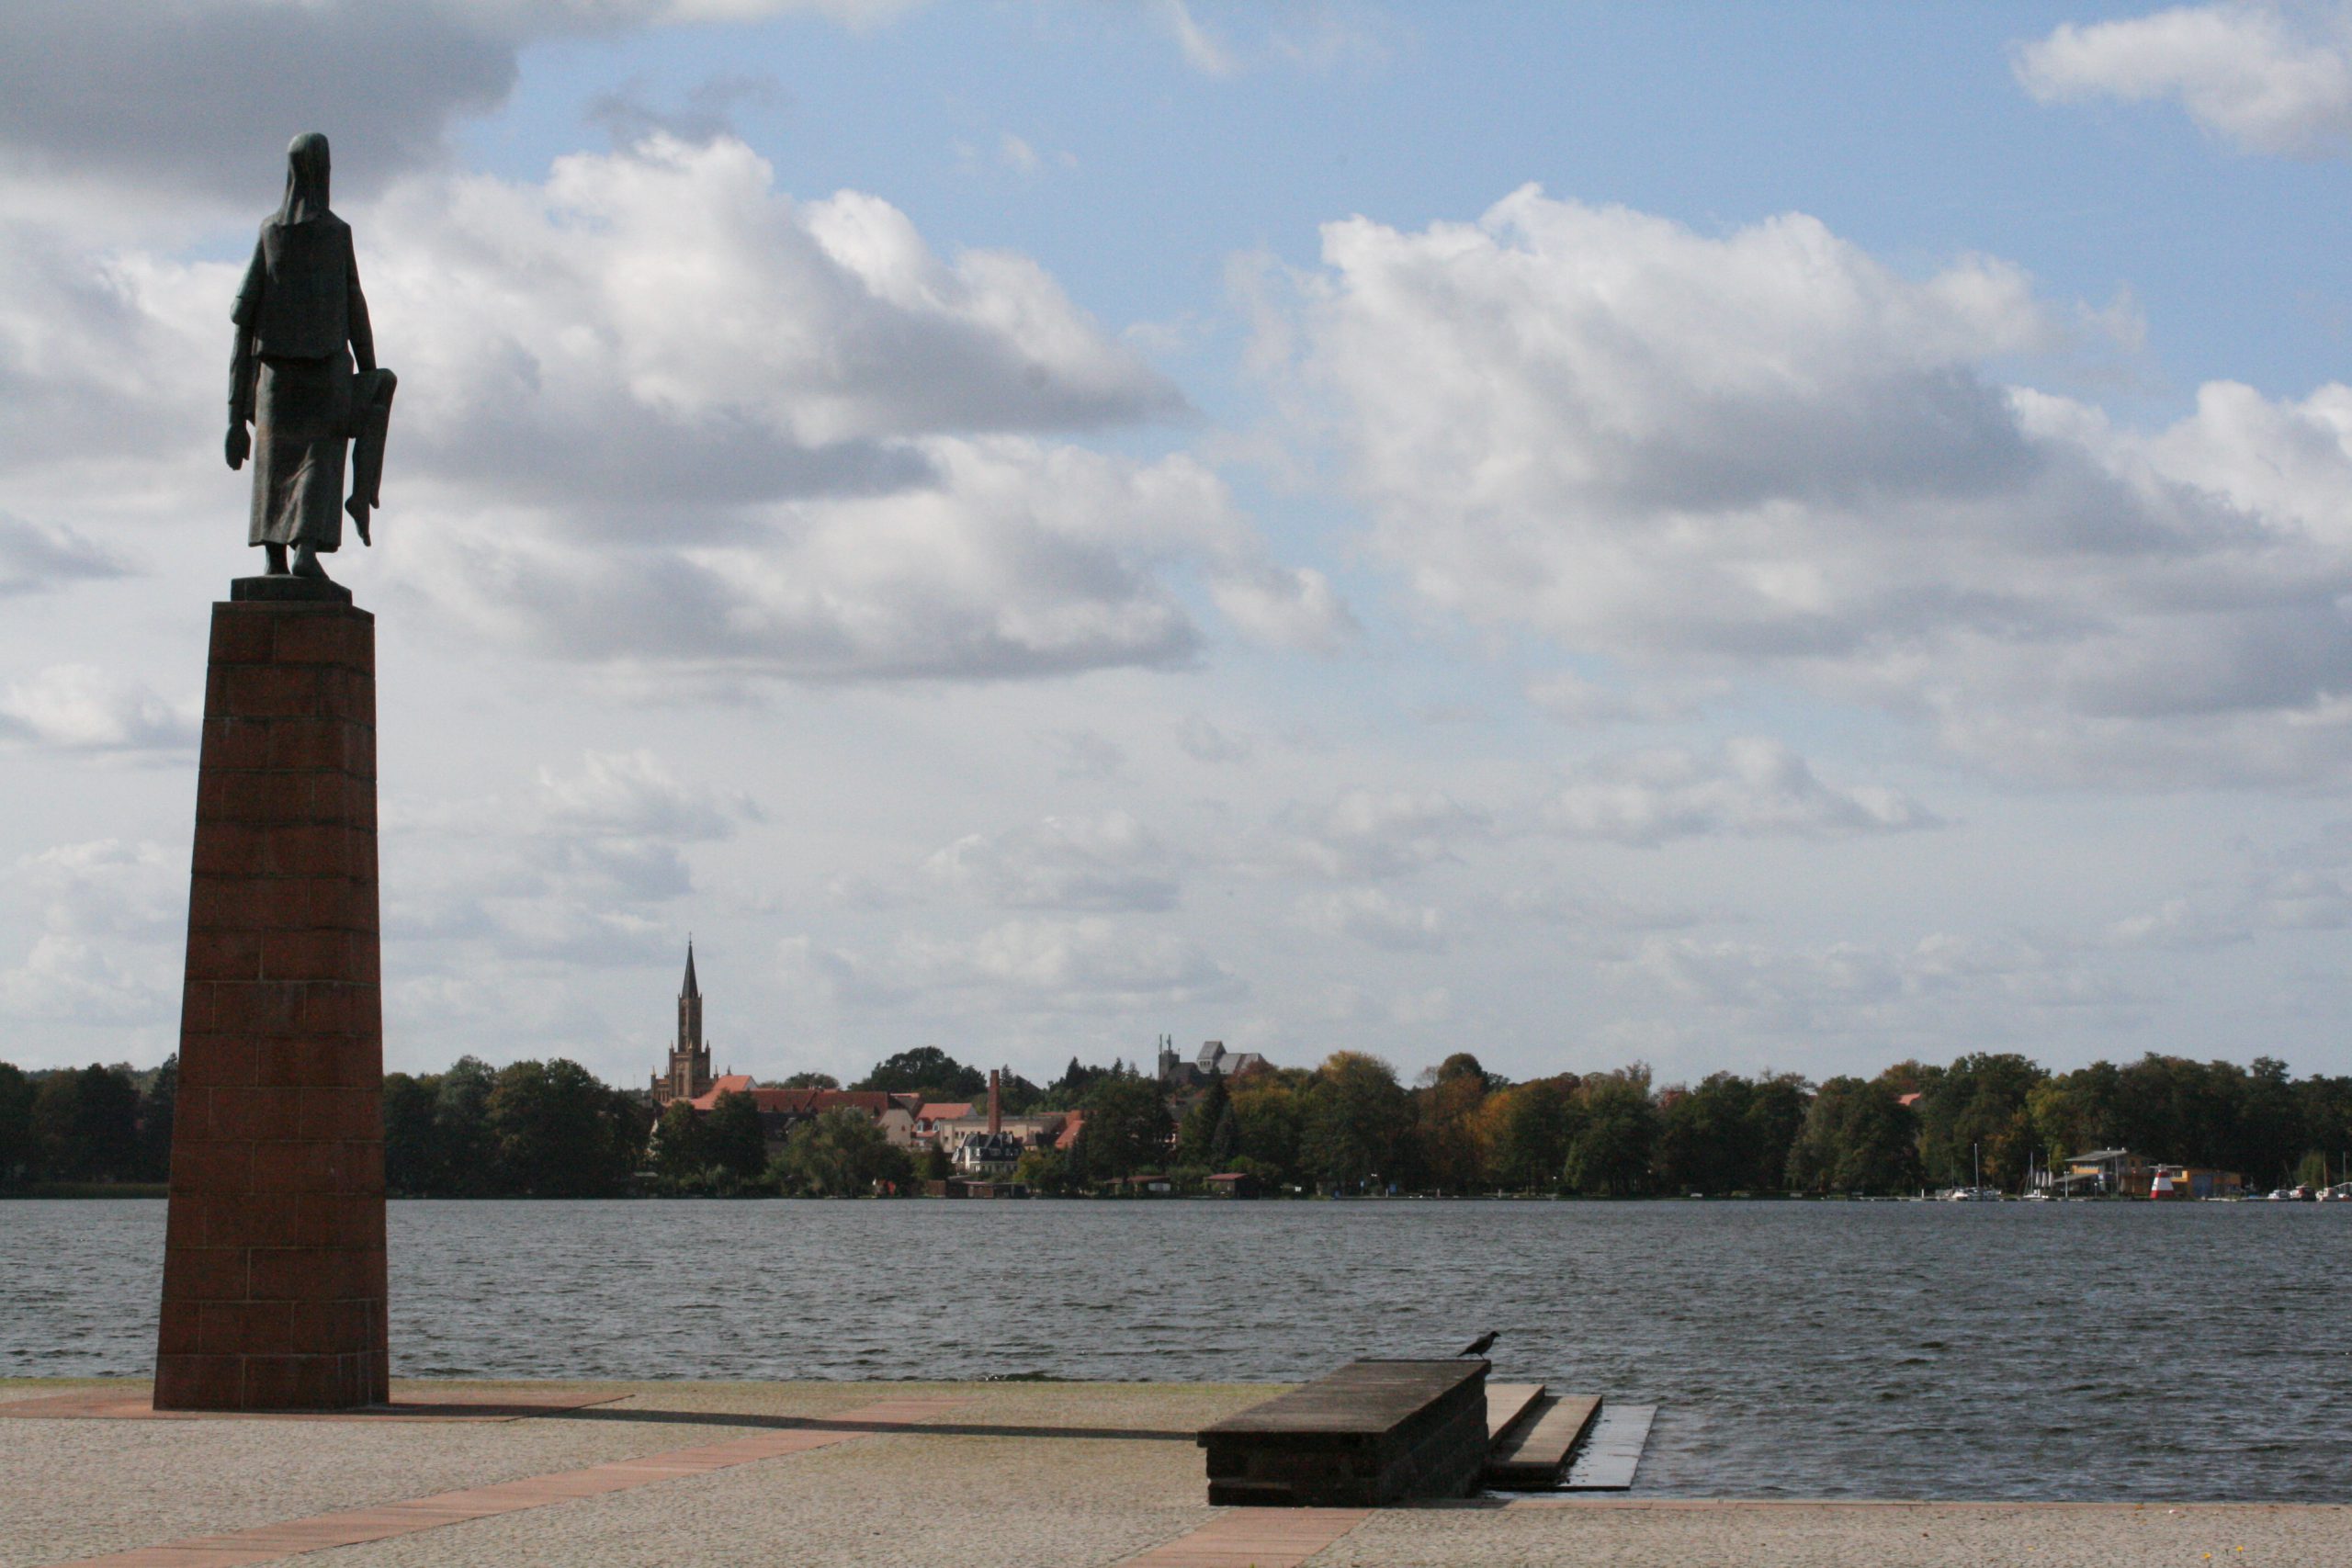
(274, 1288)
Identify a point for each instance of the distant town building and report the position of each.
(982, 1145)
(2121, 1173)
(689, 1073)
(1213, 1061)
(995, 1149)
(781, 1110)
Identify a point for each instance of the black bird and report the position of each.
(1480, 1345)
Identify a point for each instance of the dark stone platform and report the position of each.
(285, 588)
(1371, 1434)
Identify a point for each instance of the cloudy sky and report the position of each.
(1732, 536)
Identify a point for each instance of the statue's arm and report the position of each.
(363, 334)
(241, 364)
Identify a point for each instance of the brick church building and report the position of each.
(689, 1074)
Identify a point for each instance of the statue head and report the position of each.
(306, 179)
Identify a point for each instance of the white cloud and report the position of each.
(1749, 786)
(1316, 36)
(2264, 77)
(1090, 965)
(1016, 155)
(66, 979)
(2303, 900)
(2177, 925)
(1206, 742)
(1293, 607)
(1575, 700)
(181, 104)
(581, 869)
(1110, 861)
(78, 708)
(633, 795)
(107, 888)
(1566, 417)
(1954, 992)
(33, 559)
(1203, 50)
(113, 914)
(1366, 835)
(656, 412)
(1371, 916)
(660, 326)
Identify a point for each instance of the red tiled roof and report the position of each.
(1069, 1134)
(945, 1111)
(797, 1101)
(731, 1083)
(1911, 1098)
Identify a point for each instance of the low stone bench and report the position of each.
(1371, 1434)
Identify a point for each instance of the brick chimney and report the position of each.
(996, 1113)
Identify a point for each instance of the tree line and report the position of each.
(96, 1125)
(1350, 1126)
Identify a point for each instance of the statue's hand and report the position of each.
(239, 445)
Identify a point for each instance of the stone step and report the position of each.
(1508, 1405)
(1612, 1451)
(1532, 1457)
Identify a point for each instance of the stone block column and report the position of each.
(273, 1281)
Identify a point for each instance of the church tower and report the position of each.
(689, 1074)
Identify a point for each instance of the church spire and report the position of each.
(691, 990)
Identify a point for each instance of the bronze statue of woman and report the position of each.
(301, 324)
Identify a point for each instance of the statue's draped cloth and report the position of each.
(300, 313)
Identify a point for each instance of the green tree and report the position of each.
(1268, 1112)
(1857, 1137)
(2325, 1107)
(1978, 1108)
(1126, 1127)
(1224, 1140)
(2074, 1113)
(1775, 1117)
(410, 1143)
(86, 1124)
(1211, 1108)
(679, 1156)
(1358, 1120)
(1450, 1130)
(1615, 1135)
(840, 1153)
(558, 1131)
(1044, 1170)
(158, 1106)
(928, 1071)
(18, 1159)
(1068, 1092)
(464, 1155)
(812, 1081)
(732, 1142)
(1704, 1135)
(1730, 1134)
(1528, 1133)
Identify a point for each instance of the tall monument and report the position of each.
(274, 1278)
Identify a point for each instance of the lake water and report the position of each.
(1796, 1349)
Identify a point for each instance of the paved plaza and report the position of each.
(973, 1475)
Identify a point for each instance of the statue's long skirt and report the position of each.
(301, 421)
